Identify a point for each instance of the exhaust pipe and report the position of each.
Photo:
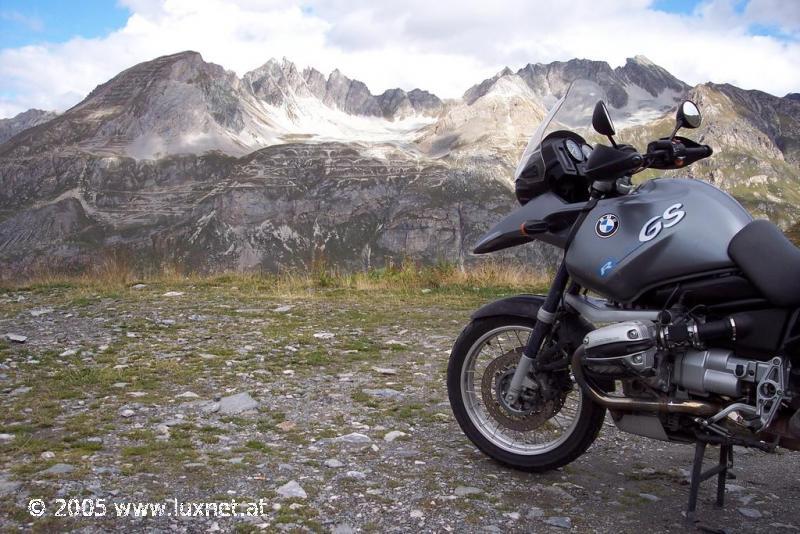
(693, 407)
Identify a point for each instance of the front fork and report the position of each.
(544, 323)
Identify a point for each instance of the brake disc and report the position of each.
(533, 410)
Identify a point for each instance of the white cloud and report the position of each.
(441, 46)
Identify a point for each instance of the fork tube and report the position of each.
(544, 321)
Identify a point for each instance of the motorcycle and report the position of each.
(671, 308)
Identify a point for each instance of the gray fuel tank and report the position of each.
(667, 229)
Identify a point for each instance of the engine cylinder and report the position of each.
(710, 371)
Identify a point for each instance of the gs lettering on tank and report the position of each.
(668, 228)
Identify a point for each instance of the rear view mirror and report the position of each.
(601, 120)
(688, 115)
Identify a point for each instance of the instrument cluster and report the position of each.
(579, 153)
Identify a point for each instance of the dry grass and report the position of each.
(115, 274)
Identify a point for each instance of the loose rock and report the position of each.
(353, 437)
(58, 469)
(560, 522)
(384, 393)
(234, 404)
(393, 435)
(751, 513)
(292, 490)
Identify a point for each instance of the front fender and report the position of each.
(526, 306)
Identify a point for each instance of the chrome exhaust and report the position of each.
(625, 404)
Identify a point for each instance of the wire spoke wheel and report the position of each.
(534, 425)
(549, 425)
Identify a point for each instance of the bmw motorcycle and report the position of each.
(672, 308)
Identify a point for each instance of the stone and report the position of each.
(282, 309)
(357, 475)
(47, 455)
(560, 522)
(188, 395)
(58, 469)
(324, 335)
(234, 404)
(20, 391)
(514, 516)
(292, 490)
(558, 493)
(463, 491)
(384, 393)
(286, 426)
(68, 352)
(16, 338)
(534, 513)
(385, 370)
(333, 463)
(417, 514)
(212, 407)
(343, 528)
(353, 437)
(393, 435)
(750, 513)
(138, 286)
(38, 312)
(127, 413)
(6, 437)
(786, 526)
(649, 497)
(8, 487)
(173, 294)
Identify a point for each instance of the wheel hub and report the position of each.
(531, 409)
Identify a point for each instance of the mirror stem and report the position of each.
(675, 131)
(614, 143)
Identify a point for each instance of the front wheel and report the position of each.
(550, 425)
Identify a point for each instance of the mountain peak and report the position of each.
(641, 60)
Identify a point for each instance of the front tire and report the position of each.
(509, 439)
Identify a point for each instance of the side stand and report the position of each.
(698, 476)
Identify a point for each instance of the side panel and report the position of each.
(667, 229)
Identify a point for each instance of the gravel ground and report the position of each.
(329, 406)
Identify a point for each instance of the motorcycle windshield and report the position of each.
(573, 111)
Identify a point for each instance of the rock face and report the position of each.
(280, 207)
(179, 161)
(27, 119)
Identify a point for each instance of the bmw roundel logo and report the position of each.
(607, 225)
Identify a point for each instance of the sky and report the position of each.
(54, 52)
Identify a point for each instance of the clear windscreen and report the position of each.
(573, 112)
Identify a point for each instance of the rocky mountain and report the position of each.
(180, 104)
(277, 83)
(27, 119)
(179, 161)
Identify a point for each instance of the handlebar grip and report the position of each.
(698, 152)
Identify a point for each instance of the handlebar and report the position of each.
(674, 153)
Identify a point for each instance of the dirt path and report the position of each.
(333, 397)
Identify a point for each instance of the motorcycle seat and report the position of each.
(770, 261)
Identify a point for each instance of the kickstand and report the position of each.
(698, 476)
